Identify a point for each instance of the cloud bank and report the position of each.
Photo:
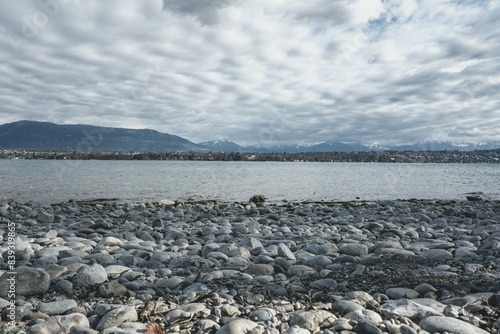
(257, 72)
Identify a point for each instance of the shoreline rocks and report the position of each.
(413, 266)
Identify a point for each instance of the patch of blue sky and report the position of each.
(480, 3)
(319, 30)
(375, 28)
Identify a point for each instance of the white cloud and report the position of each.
(392, 71)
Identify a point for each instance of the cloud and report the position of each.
(207, 12)
(257, 72)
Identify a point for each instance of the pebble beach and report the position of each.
(403, 266)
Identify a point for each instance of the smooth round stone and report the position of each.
(466, 253)
(117, 316)
(239, 252)
(367, 315)
(262, 258)
(219, 256)
(69, 253)
(259, 269)
(423, 217)
(342, 325)
(51, 251)
(187, 311)
(387, 244)
(302, 255)
(208, 325)
(423, 288)
(57, 307)
(251, 244)
(99, 257)
(285, 252)
(240, 228)
(64, 287)
(353, 249)
(51, 234)
(451, 311)
(4, 213)
(82, 240)
(236, 263)
(346, 305)
(326, 283)
(45, 217)
(366, 328)
(28, 282)
(318, 261)
(196, 288)
(238, 326)
(283, 263)
(24, 311)
(91, 275)
(115, 270)
(263, 314)
(132, 275)
(442, 245)
(46, 241)
(344, 258)
(20, 255)
(462, 301)
(112, 289)
(69, 260)
(441, 324)
(275, 289)
(296, 330)
(236, 274)
(4, 303)
(410, 308)
(102, 309)
(135, 285)
(213, 276)
(74, 267)
(226, 310)
(436, 254)
(301, 271)
(54, 324)
(322, 249)
(127, 328)
(311, 320)
(296, 287)
(482, 215)
(79, 329)
(398, 293)
(404, 329)
(56, 271)
(208, 248)
(361, 296)
(264, 279)
(162, 257)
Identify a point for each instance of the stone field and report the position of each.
(406, 266)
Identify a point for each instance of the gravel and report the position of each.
(407, 266)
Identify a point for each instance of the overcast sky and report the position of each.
(257, 71)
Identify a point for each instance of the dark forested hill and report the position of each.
(49, 136)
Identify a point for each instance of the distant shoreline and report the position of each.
(474, 157)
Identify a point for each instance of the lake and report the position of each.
(53, 181)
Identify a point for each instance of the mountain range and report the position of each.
(228, 146)
(50, 136)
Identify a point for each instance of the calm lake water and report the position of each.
(48, 181)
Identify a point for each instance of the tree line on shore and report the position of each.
(479, 156)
